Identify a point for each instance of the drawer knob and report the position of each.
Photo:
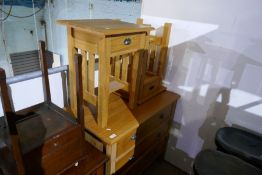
(161, 116)
(133, 137)
(127, 41)
(131, 158)
(151, 88)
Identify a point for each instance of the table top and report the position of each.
(105, 27)
(157, 103)
(120, 121)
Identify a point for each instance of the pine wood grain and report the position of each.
(102, 27)
(120, 121)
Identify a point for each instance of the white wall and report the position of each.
(17, 36)
(79, 9)
(215, 64)
(28, 93)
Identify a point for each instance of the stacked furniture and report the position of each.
(44, 139)
(116, 51)
(117, 46)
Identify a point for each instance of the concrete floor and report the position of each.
(161, 167)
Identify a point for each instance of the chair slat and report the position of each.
(125, 63)
(44, 71)
(79, 91)
(117, 67)
(89, 97)
(152, 57)
(91, 73)
(84, 70)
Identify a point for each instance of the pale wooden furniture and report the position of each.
(153, 64)
(118, 139)
(116, 48)
(155, 117)
(115, 45)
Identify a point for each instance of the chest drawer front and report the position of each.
(56, 160)
(60, 140)
(126, 43)
(141, 163)
(153, 123)
(126, 143)
(159, 134)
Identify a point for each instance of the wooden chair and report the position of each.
(153, 66)
(44, 139)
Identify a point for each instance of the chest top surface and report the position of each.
(154, 105)
(105, 27)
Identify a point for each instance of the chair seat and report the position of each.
(210, 162)
(240, 143)
(40, 123)
(50, 138)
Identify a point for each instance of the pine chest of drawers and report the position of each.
(154, 117)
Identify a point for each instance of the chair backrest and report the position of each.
(10, 116)
(157, 51)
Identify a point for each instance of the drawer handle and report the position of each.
(131, 158)
(151, 88)
(127, 41)
(133, 137)
(161, 116)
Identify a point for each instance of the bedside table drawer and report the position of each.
(123, 160)
(126, 44)
(126, 143)
(153, 123)
(151, 87)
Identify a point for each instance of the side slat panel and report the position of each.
(91, 73)
(117, 67)
(84, 70)
(152, 58)
(125, 63)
